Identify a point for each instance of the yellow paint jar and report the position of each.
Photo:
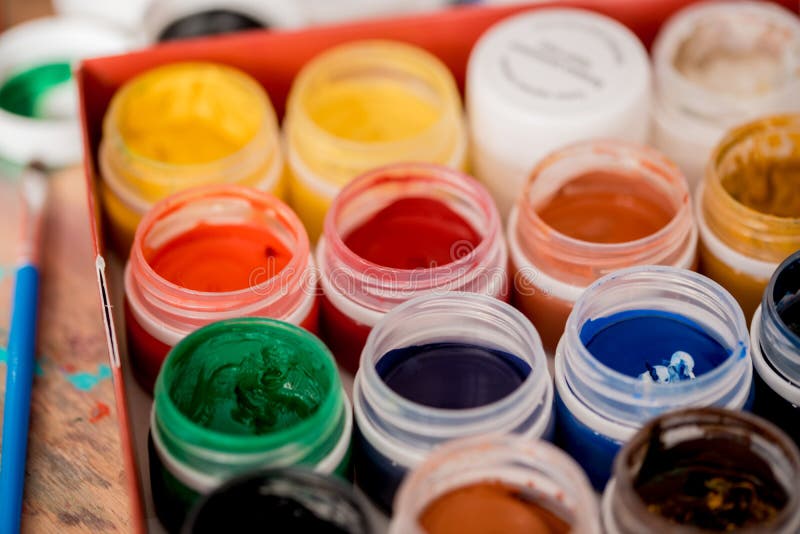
(179, 126)
(363, 105)
(748, 206)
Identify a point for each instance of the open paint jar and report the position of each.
(238, 395)
(212, 253)
(179, 126)
(640, 342)
(588, 210)
(496, 484)
(398, 232)
(717, 65)
(167, 20)
(281, 500)
(441, 367)
(775, 335)
(547, 78)
(748, 206)
(38, 97)
(363, 105)
(705, 470)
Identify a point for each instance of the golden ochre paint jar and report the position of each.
(363, 105)
(179, 126)
(748, 207)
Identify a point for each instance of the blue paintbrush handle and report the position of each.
(16, 413)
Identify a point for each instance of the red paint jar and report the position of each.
(398, 232)
(213, 253)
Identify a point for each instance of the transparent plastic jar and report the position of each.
(159, 313)
(322, 160)
(600, 408)
(550, 269)
(189, 459)
(394, 433)
(358, 293)
(717, 65)
(740, 246)
(776, 351)
(544, 474)
(624, 511)
(286, 498)
(227, 102)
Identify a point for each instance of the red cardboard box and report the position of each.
(273, 59)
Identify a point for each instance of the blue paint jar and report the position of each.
(626, 323)
(776, 349)
(482, 354)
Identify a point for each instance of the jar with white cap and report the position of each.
(547, 78)
(717, 65)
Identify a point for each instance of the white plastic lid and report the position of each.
(549, 77)
(55, 141)
(270, 13)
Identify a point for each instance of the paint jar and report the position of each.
(38, 97)
(588, 210)
(640, 342)
(705, 470)
(363, 105)
(167, 20)
(441, 367)
(545, 79)
(775, 336)
(281, 500)
(748, 207)
(212, 253)
(496, 484)
(239, 395)
(717, 65)
(398, 232)
(183, 125)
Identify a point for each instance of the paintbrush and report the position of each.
(21, 355)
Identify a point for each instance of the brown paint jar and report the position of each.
(496, 484)
(705, 470)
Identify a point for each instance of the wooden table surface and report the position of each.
(75, 479)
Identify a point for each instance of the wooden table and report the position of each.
(75, 479)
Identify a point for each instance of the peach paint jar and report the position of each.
(748, 206)
(590, 209)
(160, 312)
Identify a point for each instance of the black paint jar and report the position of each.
(281, 500)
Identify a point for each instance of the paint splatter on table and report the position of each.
(75, 477)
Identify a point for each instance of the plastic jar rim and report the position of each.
(165, 407)
(534, 386)
(685, 22)
(722, 420)
(653, 160)
(267, 130)
(297, 265)
(713, 181)
(538, 452)
(427, 172)
(376, 48)
(769, 306)
(297, 475)
(582, 356)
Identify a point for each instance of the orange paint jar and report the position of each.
(590, 209)
(213, 253)
(748, 206)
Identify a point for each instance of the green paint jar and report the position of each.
(238, 395)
